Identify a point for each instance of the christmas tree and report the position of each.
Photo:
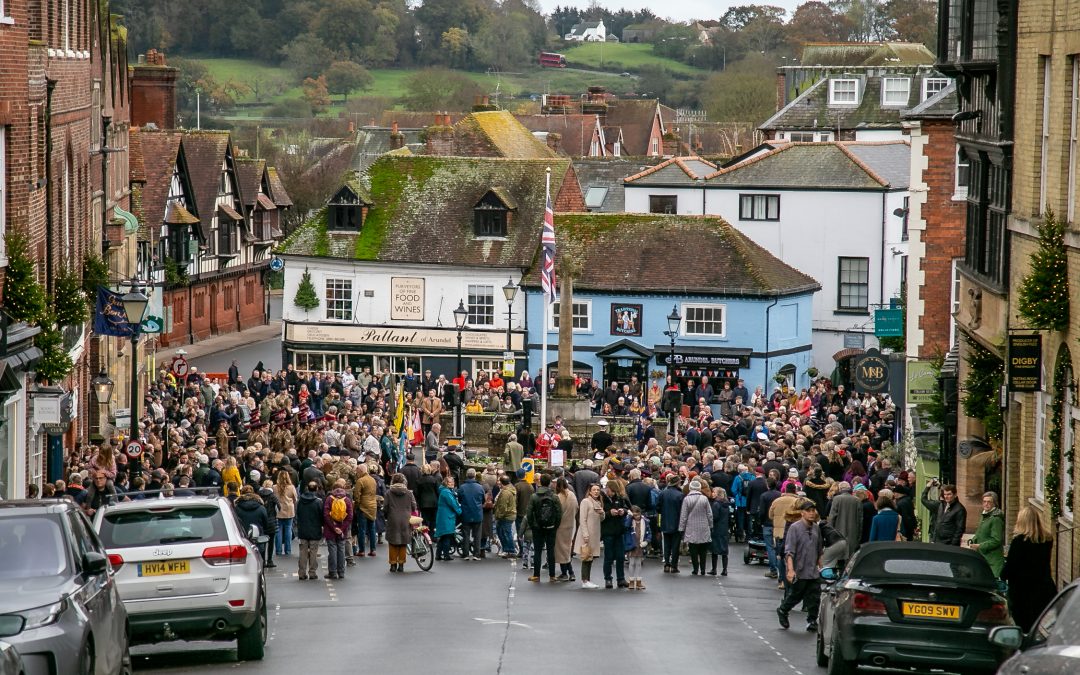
(306, 297)
(55, 363)
(24, 299)
(1044, 293)
(69, 301)
(95, 274)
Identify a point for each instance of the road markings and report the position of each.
(735, 611)
(501, 622)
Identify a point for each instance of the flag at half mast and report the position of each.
(547, 243)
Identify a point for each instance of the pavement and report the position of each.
(485, 617)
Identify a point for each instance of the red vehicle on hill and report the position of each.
(552, 60)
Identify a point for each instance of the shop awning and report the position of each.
(696, 357)
(625, 349)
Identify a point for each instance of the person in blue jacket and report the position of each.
(887, 521)
(721, 529)
(471, 494)
(739, 490)
(635, 541)
(446, 519)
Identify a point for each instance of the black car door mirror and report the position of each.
(95, 563)
(1008, 637)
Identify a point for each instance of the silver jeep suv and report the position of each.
(187, 570)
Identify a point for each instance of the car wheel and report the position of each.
(88, 660)
(251, 642)
(822, 658)
(126, 667)
(746, 556)
(837, 664)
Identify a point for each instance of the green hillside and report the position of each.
(616, 56)
(276, 84)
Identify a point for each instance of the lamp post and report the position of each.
(510, 291)
(673, 322)
(134, 306)
(460, 315)
(103, 390)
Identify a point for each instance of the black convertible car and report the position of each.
(911, 605)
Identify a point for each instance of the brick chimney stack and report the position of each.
(554, 138)
(397, 139)
(153, 91)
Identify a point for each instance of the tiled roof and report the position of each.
(575, 130)
(890, 160)
(635, 117)
(178, 215)
(802, 165)
(649, 252)
(866, 54)
(371, 142)
(249, 173)
(676, 170)
(941, 105)
(422, 212)
(159, 156)
(608, 173)
(506, 136)
(204, 153)
(277, 188)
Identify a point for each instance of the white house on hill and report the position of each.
(587, 31)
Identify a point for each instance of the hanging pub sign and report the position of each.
(625, 319)
(1025, 362)
(871, 373)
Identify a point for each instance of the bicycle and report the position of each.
(421, 548)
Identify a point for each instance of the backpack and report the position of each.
(338, 510)
(547, 517)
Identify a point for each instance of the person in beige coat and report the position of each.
(564, 536)
(587, 543)
(286, 511)
(364, 496)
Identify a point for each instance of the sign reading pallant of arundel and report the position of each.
(430, 338)
(1025, 362)
(406, 299)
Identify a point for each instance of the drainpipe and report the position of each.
(190, 316)
(768, 309)
(881, 271)
(50, 87)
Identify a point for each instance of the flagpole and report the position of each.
(544, 333)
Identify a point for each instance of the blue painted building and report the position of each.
(744, 313)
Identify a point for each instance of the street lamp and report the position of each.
(460, 315)
(135, 304)
(510, 291)
(673, 322)
(103, 389)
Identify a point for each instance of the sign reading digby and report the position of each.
(406, 298)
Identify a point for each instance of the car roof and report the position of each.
(35, 506)
(870, 558)
(157, 502)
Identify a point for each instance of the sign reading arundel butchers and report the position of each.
(1025, 362)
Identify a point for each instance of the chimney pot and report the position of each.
(394, 127)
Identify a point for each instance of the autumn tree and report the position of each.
(743, 93)
(817, 22)
(307, 56)
(439, 89)
(316, 94)
(455, 46)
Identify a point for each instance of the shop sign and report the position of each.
(406, 298)
(854, 340)
(889, 322)
(921, 382)
(690, 359)
(508, 367)
(871, 373)
(383, 336)
(1025, 362)
(626, 319)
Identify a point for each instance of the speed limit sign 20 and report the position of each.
(134, 449)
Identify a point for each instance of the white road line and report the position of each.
(735, 611)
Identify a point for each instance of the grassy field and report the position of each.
(628, 56)
(276, 85)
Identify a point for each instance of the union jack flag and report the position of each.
(547, 242)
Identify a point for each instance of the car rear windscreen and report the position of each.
(946, 566)
(152, 527)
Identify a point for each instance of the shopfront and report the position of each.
(623, 360)
(691, 364)
(332, 347)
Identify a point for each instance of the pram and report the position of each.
(755, 550)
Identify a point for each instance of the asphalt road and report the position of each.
(486, 617)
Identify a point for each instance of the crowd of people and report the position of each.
(318, 458)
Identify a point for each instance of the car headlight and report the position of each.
(44, 615)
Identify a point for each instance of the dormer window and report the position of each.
(843, 92)
(491, 215)
(895, 91)
(347, 210)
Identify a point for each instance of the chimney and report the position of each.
(781, 88)
(553, 140)
(397, 139)
(153, 91)
(440, 136)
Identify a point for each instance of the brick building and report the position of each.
(1038, 468)
(59, 66)
(935, 224)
